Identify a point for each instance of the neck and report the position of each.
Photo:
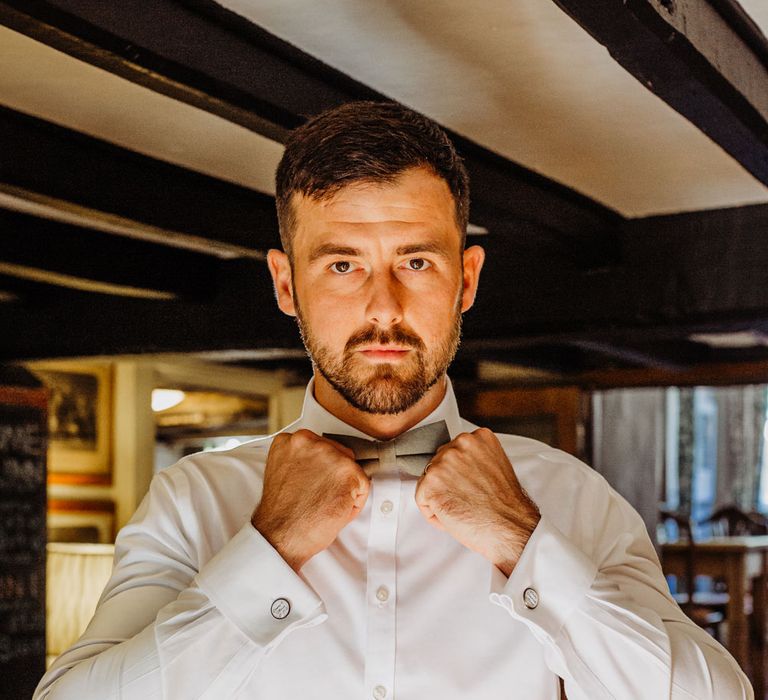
(378, 425)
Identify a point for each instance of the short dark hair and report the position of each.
(364, 142)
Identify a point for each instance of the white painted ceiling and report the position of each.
(758, 10)
(41, 81)
(518, 76)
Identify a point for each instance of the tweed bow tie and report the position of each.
(411, 451)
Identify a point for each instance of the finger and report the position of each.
(304, 433)
(431, 518)
(359, 497)
(484, 433)
(419, 495)
(435, 522)
(426, 511)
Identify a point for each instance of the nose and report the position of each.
(384, 304)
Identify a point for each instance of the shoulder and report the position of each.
(245, 460)
(540, 462)
(564, 487)
(196, 505)
(214, 484)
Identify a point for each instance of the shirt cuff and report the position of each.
(256, 589)
(549, 580)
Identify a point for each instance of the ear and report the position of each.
(474, 257)
(280, 269)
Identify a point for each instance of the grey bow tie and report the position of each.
(411, 451)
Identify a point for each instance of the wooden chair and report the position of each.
(705, 609)
(731, 521)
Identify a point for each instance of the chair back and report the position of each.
(731, 521)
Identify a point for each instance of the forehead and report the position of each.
(418, 201)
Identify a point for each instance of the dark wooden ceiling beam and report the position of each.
(705, 58)
(684, 274)
(680, 274)
(79, 258)
(198, 52)
(74, 177)
(239, 315)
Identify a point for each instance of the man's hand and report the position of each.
(312, 488)
(470, 491)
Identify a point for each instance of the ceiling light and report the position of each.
(163, 399)
(738, 339)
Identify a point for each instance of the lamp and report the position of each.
(76, 575)
(163, 399)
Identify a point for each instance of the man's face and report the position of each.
(378, 288)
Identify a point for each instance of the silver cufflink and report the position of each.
(530, 598)
(280, 609)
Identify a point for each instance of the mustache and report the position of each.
(378, 336)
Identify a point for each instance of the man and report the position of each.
(328, 561)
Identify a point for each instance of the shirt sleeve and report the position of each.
(606, 620)
(162, 629)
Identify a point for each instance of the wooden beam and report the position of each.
(679, 274)
(203, 54)
(239, 313)
(705, 58)
(119, 192)
(711, 374)
(79, 258)
(682, 275)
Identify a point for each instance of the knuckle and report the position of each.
(464, 439)
(350, 480)
(280, 439)
(303, 435)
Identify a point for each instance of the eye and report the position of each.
(341, 267)
(418, 264)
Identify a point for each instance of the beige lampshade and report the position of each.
(76, 576)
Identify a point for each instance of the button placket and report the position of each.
(381, 581)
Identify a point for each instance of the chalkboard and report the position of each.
(23, 447)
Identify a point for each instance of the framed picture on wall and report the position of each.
(79, 421)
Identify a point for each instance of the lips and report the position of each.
(384, 353)
(384, 348)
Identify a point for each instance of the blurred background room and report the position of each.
(618, 161)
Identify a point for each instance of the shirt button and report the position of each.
(379, 692)
(386, 507)
(383, 595)
(280, 609)
(530, 598)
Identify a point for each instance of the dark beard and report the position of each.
(387, 388)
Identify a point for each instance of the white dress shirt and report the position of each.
(200, 605)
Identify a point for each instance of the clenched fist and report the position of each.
(471, 491)
(313, 487)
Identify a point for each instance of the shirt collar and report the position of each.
(319, 420)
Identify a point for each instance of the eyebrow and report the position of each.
(332, 249)
(427, 247)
